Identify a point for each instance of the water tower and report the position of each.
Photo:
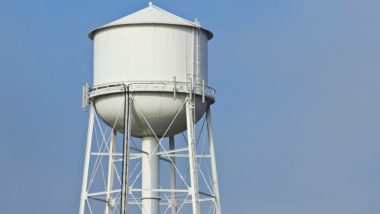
(150, 89)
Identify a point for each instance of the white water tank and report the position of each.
(153, 53)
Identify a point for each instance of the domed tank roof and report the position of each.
(151, 15)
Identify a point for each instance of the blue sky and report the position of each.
(296, 119)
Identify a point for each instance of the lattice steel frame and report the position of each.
(108, 148)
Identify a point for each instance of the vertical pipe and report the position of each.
(127, 135)
(192, 156)
(198, 75)
(193, 54)
(90, 129)
(172, 176)
(111, 171)
(174, 87)
(203, 92)
(213, 162)
(150, 175)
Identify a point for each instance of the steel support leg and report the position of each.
(83, 197)
(173, 203)
(193, 167)
(111, 173)
(213, 162)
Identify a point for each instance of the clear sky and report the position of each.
(297, 118)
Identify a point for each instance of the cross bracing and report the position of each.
(188, 181)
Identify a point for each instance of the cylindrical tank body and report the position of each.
(154, 49)
(148, 52)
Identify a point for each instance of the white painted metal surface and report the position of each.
(149, 45)
(151, 15)
(83, 197)
(193, 166)
(150, 175)
(214, 174)
(150, 82)
(155, 107)
(148, 52)
(173, 181)
(111, 173)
